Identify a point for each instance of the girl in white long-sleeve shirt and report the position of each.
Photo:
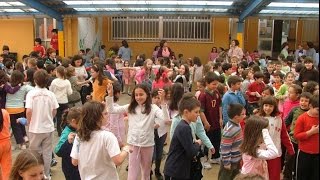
(257, 147)
(61, 88)
(142, 115)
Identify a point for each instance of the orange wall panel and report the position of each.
(251, 34)
(18, 34)
(188, 49)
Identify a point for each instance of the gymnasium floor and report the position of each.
(57, 173)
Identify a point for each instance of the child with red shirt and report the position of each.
(54, 40)
(254, 91)
(211, 114)
(39, 48)
(307, 134)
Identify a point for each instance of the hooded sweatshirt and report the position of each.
(61, 89)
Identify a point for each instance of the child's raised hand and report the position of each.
(110, 89)
(162, 95)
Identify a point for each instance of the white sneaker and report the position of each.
(23, 147)
(214, 161)
(206, 165)
(26, 139)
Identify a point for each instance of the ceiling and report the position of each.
(233, 8)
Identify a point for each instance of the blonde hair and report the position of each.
(25, 160)
(70, 71)
(32, 62)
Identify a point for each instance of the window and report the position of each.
(173, 28)
(43, 27)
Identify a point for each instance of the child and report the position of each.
(161, 79)
(234, 64)
(277, 81)
(278, 67)
(207, 68)
(51, 54)
(285, 67)
(262, 61)
(278, 133)
(128, 74)
(292, 101)
(307, 134)
(100, 83)
(64, 146)
(39, 48)
(141, 119)
(61, 88)
(41, 107)
(160, 136)
(247, 77)
(146, 74)
(257, 147)
(227, 71)
(183, 148)
(267, 92)
(5, 144)
(268, 78)
(308, 73)
(74, 99)
(254, 91)
(15, 107)
(211, 114)
(116, 123)
(94, 150)
(233, 95)
(201, 84)
(183, 77)
(230, 143)
(28, 165)
(290, 161)
(282, 94)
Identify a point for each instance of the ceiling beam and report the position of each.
(291, 8)
(35, 4)
(20, 13)
(95, 13)
(249, 9)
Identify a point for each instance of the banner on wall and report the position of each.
(90, 33)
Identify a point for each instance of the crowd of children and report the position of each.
(256, 117)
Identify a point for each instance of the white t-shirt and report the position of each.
(94, 156)
(42, 102)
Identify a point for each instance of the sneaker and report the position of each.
(26, 139)
(23, 147)
(214, 161)
(54, 162)
(207, 165)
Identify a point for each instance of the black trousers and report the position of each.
(215, 138)
(19, 130)
(60, 111)
(307, 166)
(290, 164)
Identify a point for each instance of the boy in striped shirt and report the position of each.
(230, 143)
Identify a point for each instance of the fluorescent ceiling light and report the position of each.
(16, 3)
(152, 9)
(31, 10)
(287, 12)
(12, 10)
(298, 5)
(4, 4)
(217, 3)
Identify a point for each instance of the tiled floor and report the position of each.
(57, 173)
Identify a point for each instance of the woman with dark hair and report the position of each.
(284, 51)
(311, 52)
(124, 51)
(235, 50)
(164, 50)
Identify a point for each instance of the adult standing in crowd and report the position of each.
(164, 50)
(235, 50)
(54, 40)
(124, 51)
(213, 54)
(311, 52)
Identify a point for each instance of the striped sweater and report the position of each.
(230, 142)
